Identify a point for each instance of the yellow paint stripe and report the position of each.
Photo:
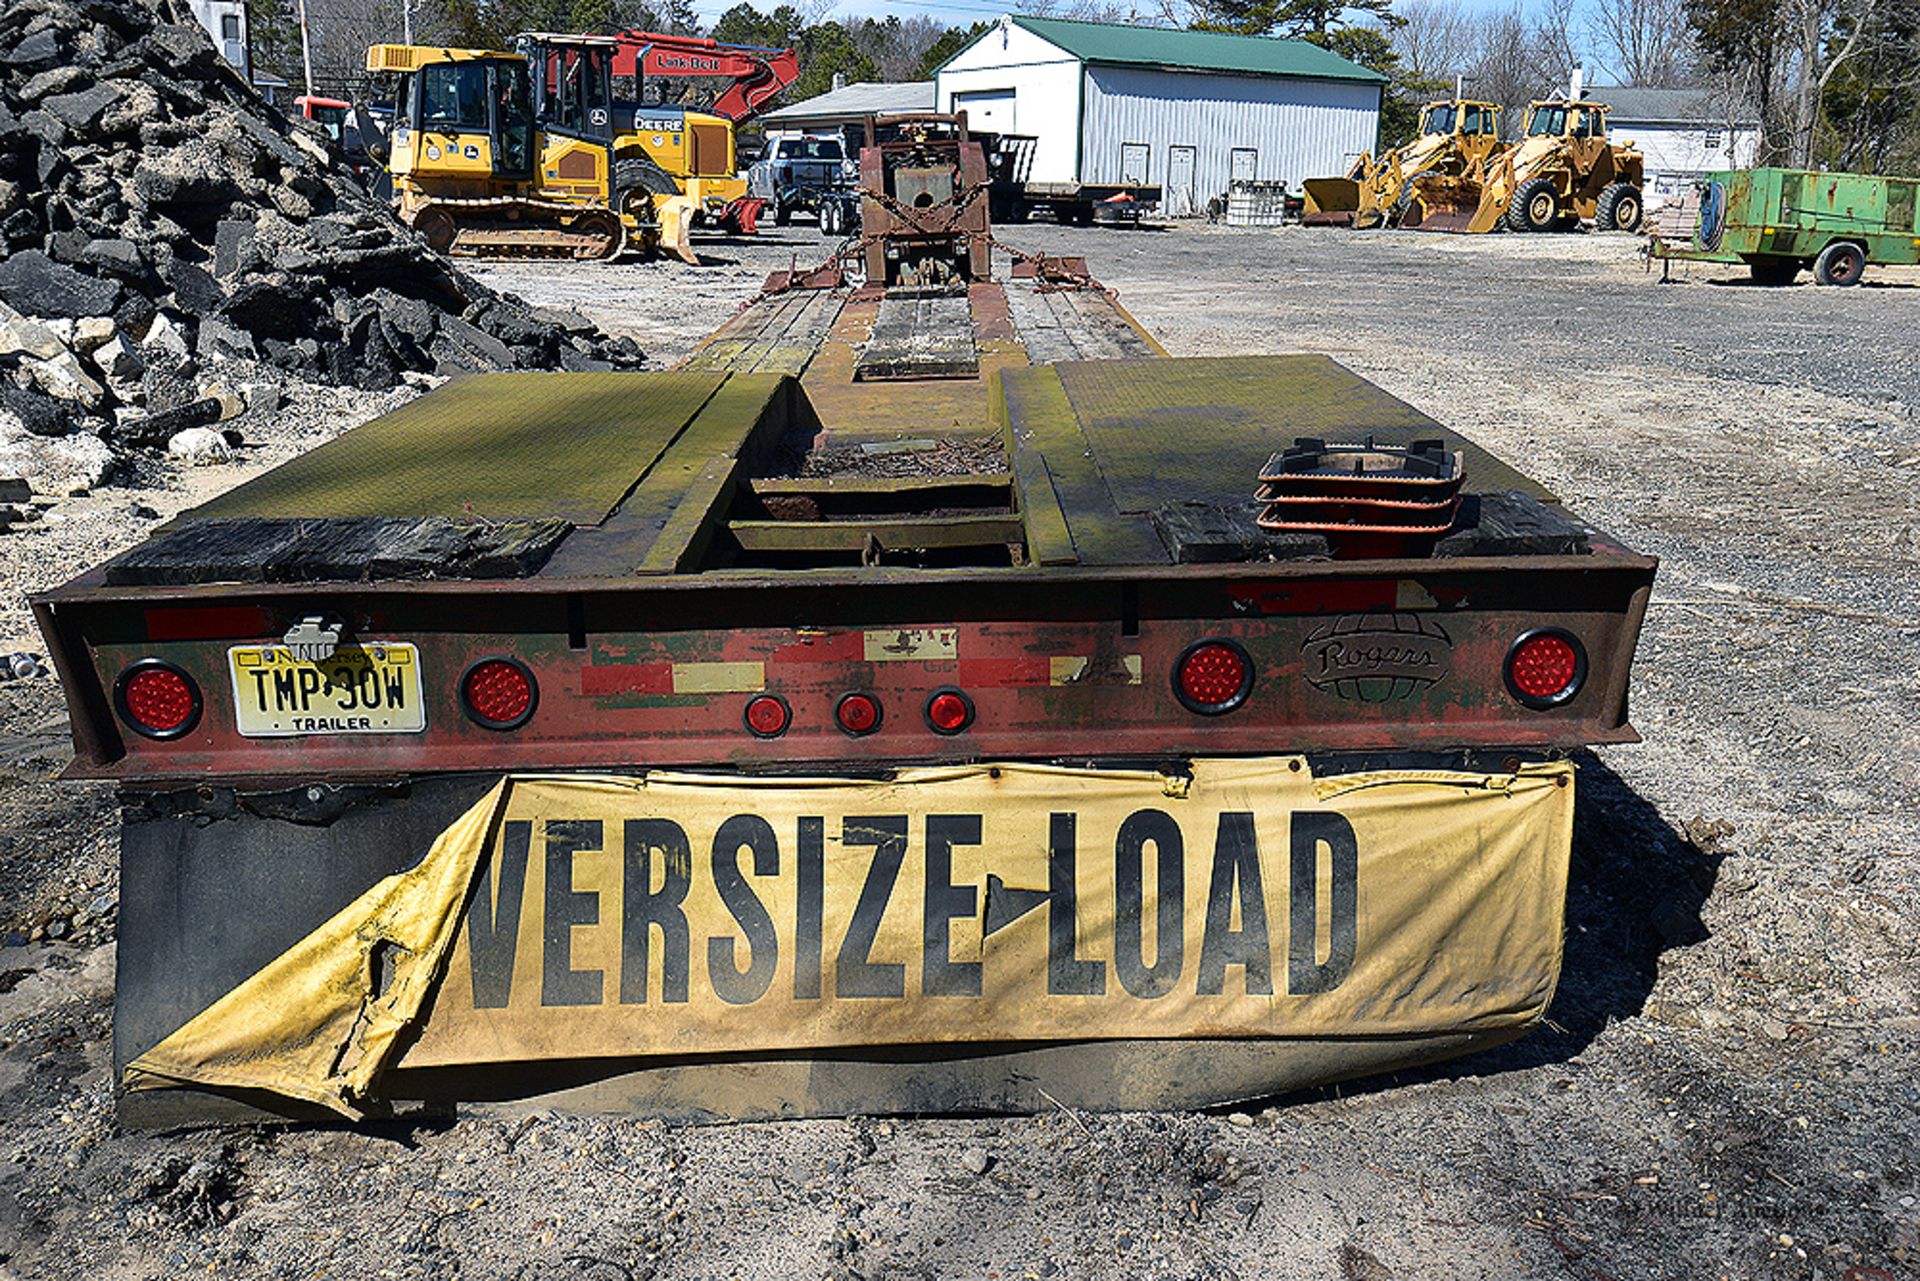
(719, 678)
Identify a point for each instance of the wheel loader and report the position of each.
(489, 159)
(1457, 138)
(1562, 174)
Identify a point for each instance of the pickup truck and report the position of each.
(807, 173)
(924, 698)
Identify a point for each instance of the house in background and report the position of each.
(227, 22)
(1683, 133)
(1190, 111)
(845, 109)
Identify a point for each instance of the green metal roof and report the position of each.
(1198, 50)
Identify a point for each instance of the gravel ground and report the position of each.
(1726, 1086)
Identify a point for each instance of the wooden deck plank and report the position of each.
(1041, 421)
(669, 514)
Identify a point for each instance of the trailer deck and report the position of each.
(905, 580)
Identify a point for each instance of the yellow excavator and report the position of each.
(514, 154)
(1457, 138)
(1562, 173)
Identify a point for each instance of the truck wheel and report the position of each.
(1773, 271)
(1535, 206)
(830, 218)
(1619, 209)
(1840, 263)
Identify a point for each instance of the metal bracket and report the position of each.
(314, 638)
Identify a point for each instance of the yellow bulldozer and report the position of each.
(518, 154)
(1456, 139)
(1562, 173)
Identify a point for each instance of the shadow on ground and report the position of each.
(1634, 892)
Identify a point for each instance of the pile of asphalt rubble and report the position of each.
(162, 227)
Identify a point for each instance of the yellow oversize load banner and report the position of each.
(580, 917)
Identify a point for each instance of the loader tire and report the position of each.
(1535, 206)
(1619, 208)
(1404, 201)
(637, 173)
(1840, 263)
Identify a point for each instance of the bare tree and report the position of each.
(1556, 51)
(1436, 42)
(1643, 42)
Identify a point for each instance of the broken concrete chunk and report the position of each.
(199, 446)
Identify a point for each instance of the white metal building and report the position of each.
(1683, 133)
(1187, 110)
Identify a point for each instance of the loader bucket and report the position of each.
(1330, 202)
(675, 216)
(1441, 203)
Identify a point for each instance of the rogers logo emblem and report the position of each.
(1374, 658)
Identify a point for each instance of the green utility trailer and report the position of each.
(1781, 221)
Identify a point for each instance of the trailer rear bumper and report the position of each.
(958, 938)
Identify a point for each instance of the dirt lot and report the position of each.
(1727, 1086)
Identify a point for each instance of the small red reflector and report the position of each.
(158, 699)
(1213, 676)
(767, 716)
(858, 714)
(498, 693)
(1546, 668)
(949, 711)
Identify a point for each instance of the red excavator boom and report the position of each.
(757, 73)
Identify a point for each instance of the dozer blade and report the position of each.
(675, 215)
(1330, 202)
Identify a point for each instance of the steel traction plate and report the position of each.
(490, 446)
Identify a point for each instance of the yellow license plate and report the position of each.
(363, 689)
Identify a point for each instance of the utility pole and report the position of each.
(306, 53)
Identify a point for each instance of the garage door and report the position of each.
(989, 110)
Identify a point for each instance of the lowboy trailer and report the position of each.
(902, 706)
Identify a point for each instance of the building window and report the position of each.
(230, 26)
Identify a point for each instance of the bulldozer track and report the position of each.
(520, 227)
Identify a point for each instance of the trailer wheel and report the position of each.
(1080, 215)
(1619, 208)
(1773, 271)
(1840, 263)
(1535, 206)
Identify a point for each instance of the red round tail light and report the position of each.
(767, 716)
(1213, 676)
(1546, 667)
(157, 699)
(949, 711)
(499, 693)
(858, 714)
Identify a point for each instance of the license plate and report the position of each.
(363, 689)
